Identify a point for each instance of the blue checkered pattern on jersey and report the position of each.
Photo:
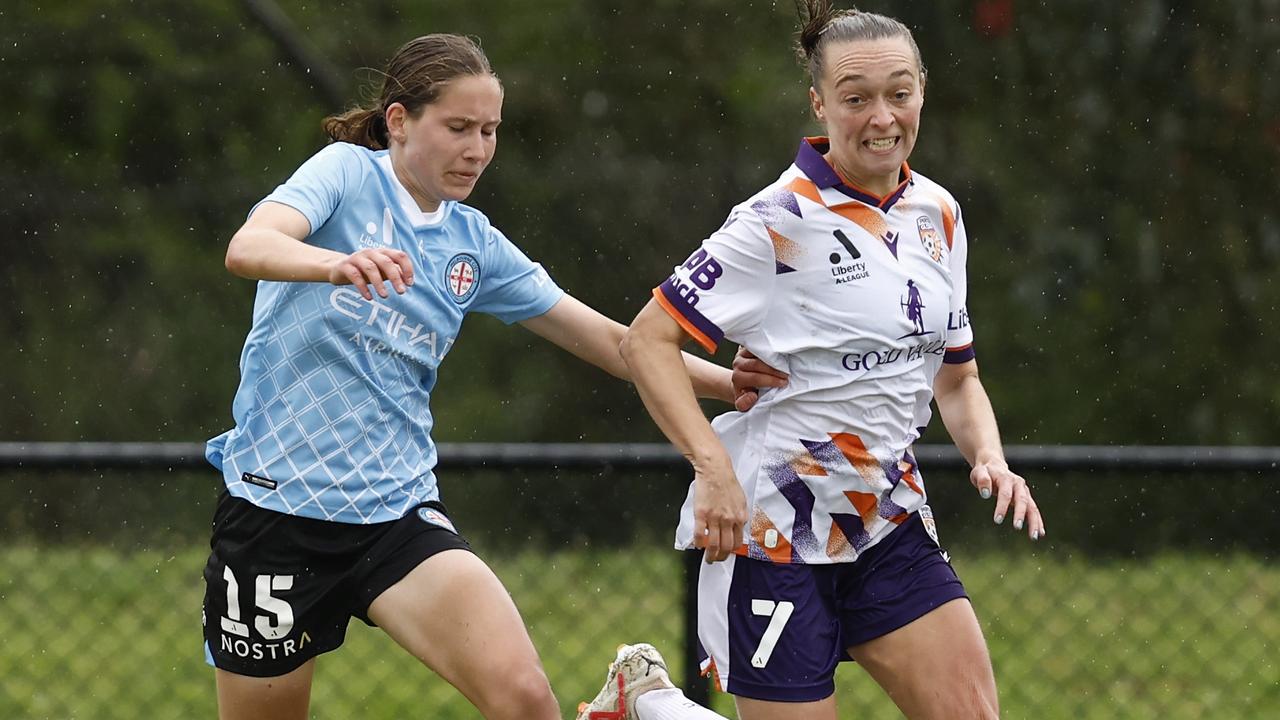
(332, 414)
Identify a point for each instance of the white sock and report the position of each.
(671, 704)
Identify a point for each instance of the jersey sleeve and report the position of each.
(317, 187)
(723, 289)
(959, 331)
(513, 287)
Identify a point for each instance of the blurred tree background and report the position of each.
(1116, 163)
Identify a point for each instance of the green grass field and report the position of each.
(95, 633)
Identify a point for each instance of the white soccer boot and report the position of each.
(636, 670)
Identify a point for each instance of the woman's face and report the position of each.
(869, 98)
(440, 154)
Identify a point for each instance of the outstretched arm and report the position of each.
(652, 351)
(966, 411)
(269, 246)
(578, 328)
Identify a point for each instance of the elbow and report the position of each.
(237, 261)
(634, 343)
(627, 347)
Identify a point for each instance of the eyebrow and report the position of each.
(893, 75)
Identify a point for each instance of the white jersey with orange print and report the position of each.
(860, 300)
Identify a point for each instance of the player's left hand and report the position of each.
(750, 375)
(1012, 492)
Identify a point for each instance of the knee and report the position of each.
(980, 700)
(522, 694)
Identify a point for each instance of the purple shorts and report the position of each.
(774, 631)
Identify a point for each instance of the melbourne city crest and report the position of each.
(462, 277)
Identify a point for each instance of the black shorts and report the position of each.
(281, 589)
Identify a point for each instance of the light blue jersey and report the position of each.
(332, 417)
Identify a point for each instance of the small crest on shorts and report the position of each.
(462, 277)
(930, 238)
(926, 517)
(435, 517)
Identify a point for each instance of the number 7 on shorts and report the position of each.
(778, 613)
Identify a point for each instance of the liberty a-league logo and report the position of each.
(929, 238)
(462, 277)
(371, 238)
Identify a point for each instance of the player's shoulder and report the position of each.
(775, 192)
(766, 207)
(343, 160)
(473, 219)
(925, 184)
(349, 153)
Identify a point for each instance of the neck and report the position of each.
(880, 185)
(426, 203)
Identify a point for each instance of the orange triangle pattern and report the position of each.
(838, 546)
(909, 476)
(784, 248)
(865, 217)
(852, 447)
(760, 525)
(865, 503)
(805, 464)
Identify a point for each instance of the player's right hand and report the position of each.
(719, 510)
(750, 373)
(373, 267)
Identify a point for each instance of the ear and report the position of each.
(815, 103)
(396, 115)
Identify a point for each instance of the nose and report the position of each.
(880, 115)
(476, 149)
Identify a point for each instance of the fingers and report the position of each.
(763, 377)
(981, 479)
(722, 541)
(718, 538)
(353, 275)
(406, 267)
(367, 269)
(372, 273)
(1004, 495)
(756, 370)
(750, 375)
(1035, 523)
(1013, 495)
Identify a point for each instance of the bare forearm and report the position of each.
(595, 338)
(665, 387)
(966, 411)
(267, 254)
(709, 380)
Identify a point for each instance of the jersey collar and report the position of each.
(812, 162)
(408, 205)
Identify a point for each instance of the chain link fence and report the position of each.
(1155, 594)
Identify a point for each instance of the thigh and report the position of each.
(273, 590)
(749, 709)
(453, 614)
(770, 629)
(285, 697)
(936, 666)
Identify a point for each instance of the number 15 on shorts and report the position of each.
(263, 587)
(778, 613)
